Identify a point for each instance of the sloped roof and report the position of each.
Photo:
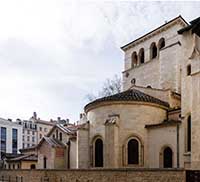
(160, 27)
(28, 157)
(194, 26)
(68, 129)
(130, 95)
(52, 142)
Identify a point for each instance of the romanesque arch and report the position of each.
(161, 43)
(167, 158)
(153, 51)
(134, 59)
(98, 152)
(133, 151)
(141, 56)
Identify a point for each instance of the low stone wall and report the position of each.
(94, 175)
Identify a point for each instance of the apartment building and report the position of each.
(10, 136)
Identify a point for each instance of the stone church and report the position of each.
(153, 123)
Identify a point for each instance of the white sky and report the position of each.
(54, 52)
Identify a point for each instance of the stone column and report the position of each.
(111, 142)
(83, 147)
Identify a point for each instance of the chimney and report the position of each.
(67, 121)
(81, 115)
(58, 119)
(34, 115)
(9, 119)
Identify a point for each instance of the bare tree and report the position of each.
(110, 87)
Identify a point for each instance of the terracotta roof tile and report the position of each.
(130, 95)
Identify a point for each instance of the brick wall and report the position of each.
(94, 175)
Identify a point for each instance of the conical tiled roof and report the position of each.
(129, 95)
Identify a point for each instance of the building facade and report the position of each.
(10, 136)
(35, 129)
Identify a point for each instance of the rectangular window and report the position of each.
(28, 132)
(33, 139)
(14, 141)
(189, 70)
(40, 128)
(33, 133)
(28, 138)
(3, 139)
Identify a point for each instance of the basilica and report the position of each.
(153, 123)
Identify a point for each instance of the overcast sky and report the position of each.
(54, 52)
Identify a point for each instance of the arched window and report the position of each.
(141, 56)
(153, 51)
(32, 166)
(45, 162)
(60, 136)
(134, 59)
(189, 134)
(161, 43)
(167, 158)
(98, 153)
(133, 152)
(56, 134)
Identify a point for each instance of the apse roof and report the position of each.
(130, 95)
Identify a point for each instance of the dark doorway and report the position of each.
(33, 166)
(98, 153)
(167, 156)
(133, 152)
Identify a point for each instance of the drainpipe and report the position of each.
(177, 140)
(68, 154)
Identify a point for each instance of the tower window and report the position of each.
(153, 51)
(161, 43)
(133, 81)
(134, 59)
(141, 56)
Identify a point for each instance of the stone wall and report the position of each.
(94, 175)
